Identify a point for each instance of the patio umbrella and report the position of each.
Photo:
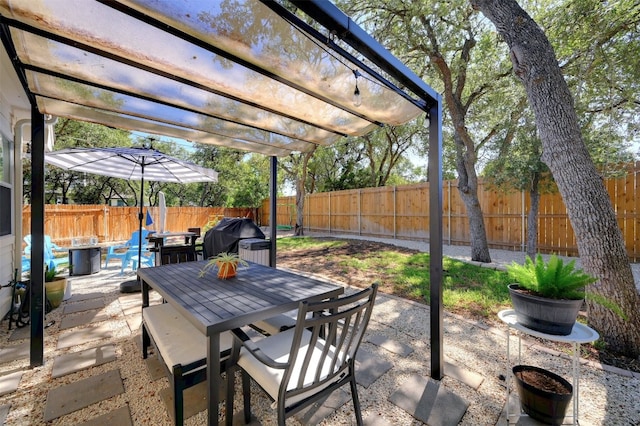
(132, 164)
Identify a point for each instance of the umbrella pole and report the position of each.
(140, 215)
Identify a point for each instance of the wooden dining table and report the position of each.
(214, 305)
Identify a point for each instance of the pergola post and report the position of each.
(435, 239)
(273, 210)
(36, 288)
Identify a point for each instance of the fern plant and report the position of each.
(553, 279)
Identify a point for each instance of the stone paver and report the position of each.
(86, 305)
(20, 333)
(429, 402)
(76, 361)
(86, 296)
(370, 367)
(195, 398)
(155, 368)
(325, 407)
(14, 352)
(83, 318)
(4, 412)
(79, 336)
(469, 378)
(74, 396)
(390, 345)
(118, 417)
(9, 382)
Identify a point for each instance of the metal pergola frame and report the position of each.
(341, 26)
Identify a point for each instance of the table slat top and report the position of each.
(214, 305)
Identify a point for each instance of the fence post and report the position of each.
(329, 212)
(359, 213)
(395, 218)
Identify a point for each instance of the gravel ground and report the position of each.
(608, 396)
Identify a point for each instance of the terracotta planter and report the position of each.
(550, 316)
(227, 269)
(55, 290)
(547, 405)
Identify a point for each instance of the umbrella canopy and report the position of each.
(132, 164)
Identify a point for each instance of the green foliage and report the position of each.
(50, 274)
(553, 279)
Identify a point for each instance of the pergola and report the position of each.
(272, 77)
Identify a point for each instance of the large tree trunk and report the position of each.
(599, 239)
(301, 192)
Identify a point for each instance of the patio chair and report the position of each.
(49, 247)
(130, 256)
(299, 366)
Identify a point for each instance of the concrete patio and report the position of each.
(94, 373)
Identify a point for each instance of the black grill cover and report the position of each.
(224, 237)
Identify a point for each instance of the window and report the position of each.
(6, 187)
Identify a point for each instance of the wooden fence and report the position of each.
(402, 212)
(64, 222)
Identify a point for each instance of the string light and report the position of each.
(357, 99)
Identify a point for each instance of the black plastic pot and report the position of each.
(550, 316)
(544, 406)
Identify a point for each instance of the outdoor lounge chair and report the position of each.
(49, 247)
(130, 256)
(299, 366)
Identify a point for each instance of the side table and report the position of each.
(579, 334)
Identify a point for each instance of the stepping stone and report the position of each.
(390, 345)
(15, 352)
(132, 310)
(9, 382)
(130, 300)
(83, 318)
(20, 333)
(134, 323)
(4, 412)
(376, 420)
(82, 297)
(74, 396)
(469, 378)
(79, 336)
(155, 368)
(83, 306)
(195, 398)
(70, 363)
(324, 408)
(118, 417)
(429, 402)
(370, 367)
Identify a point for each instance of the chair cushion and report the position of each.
(278, 347)
(278, 323)
(178, 341)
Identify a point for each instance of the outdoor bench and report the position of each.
(181, 348)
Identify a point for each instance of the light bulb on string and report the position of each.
(357, 99)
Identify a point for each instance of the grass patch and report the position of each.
(467, 289)
(305, 243)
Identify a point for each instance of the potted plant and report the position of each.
(544, 396)
(227, 264)
(55, 286)
(548, 296)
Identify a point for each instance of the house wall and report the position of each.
(14, 109)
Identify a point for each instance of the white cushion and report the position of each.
(177, 340)
(278, 347)
(274, 324)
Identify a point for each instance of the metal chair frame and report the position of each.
(333, 330)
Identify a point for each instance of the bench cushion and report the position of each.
(177, 340)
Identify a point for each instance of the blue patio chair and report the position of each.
(131, 255)
(113, 254)
(49, 247)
